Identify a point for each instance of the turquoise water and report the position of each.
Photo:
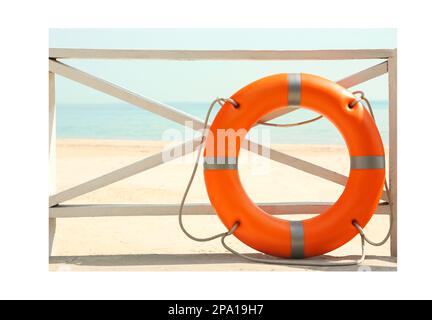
(127, 122)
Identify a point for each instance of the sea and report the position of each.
(127, 122)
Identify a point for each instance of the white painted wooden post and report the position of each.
(52, 152)
(392, 78)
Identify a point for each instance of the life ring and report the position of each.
(332, 228)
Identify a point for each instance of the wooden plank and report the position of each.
(299, 164)
(392, 80)
(51, 153)
(109, 210)
(348, 82)
(118, 92)
(364, 75)
(124, 172)
(52, 225)
(190, 55)
(52, 131)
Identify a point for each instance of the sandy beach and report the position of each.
(157, 243)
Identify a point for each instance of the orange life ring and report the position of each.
(332, 228)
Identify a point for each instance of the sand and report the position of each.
(157, 243)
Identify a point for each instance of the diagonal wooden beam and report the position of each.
(123, 94)
(364, 75)
(184, 149)
(297, 163)
(125, 172)
(348, 82)
(300, 164)
(169, 113)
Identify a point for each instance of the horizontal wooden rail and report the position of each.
(105, 210)
(69, 53)
(124, 172)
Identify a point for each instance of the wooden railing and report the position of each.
(58, 210)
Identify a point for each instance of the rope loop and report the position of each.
(362, 98)
(222, 101)
(358, 99)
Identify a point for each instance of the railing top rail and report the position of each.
(191, 55)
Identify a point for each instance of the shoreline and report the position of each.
(158, 143)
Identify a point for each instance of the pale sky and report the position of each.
(202, 81)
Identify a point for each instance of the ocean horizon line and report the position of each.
(123, 121)
(381, 103)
